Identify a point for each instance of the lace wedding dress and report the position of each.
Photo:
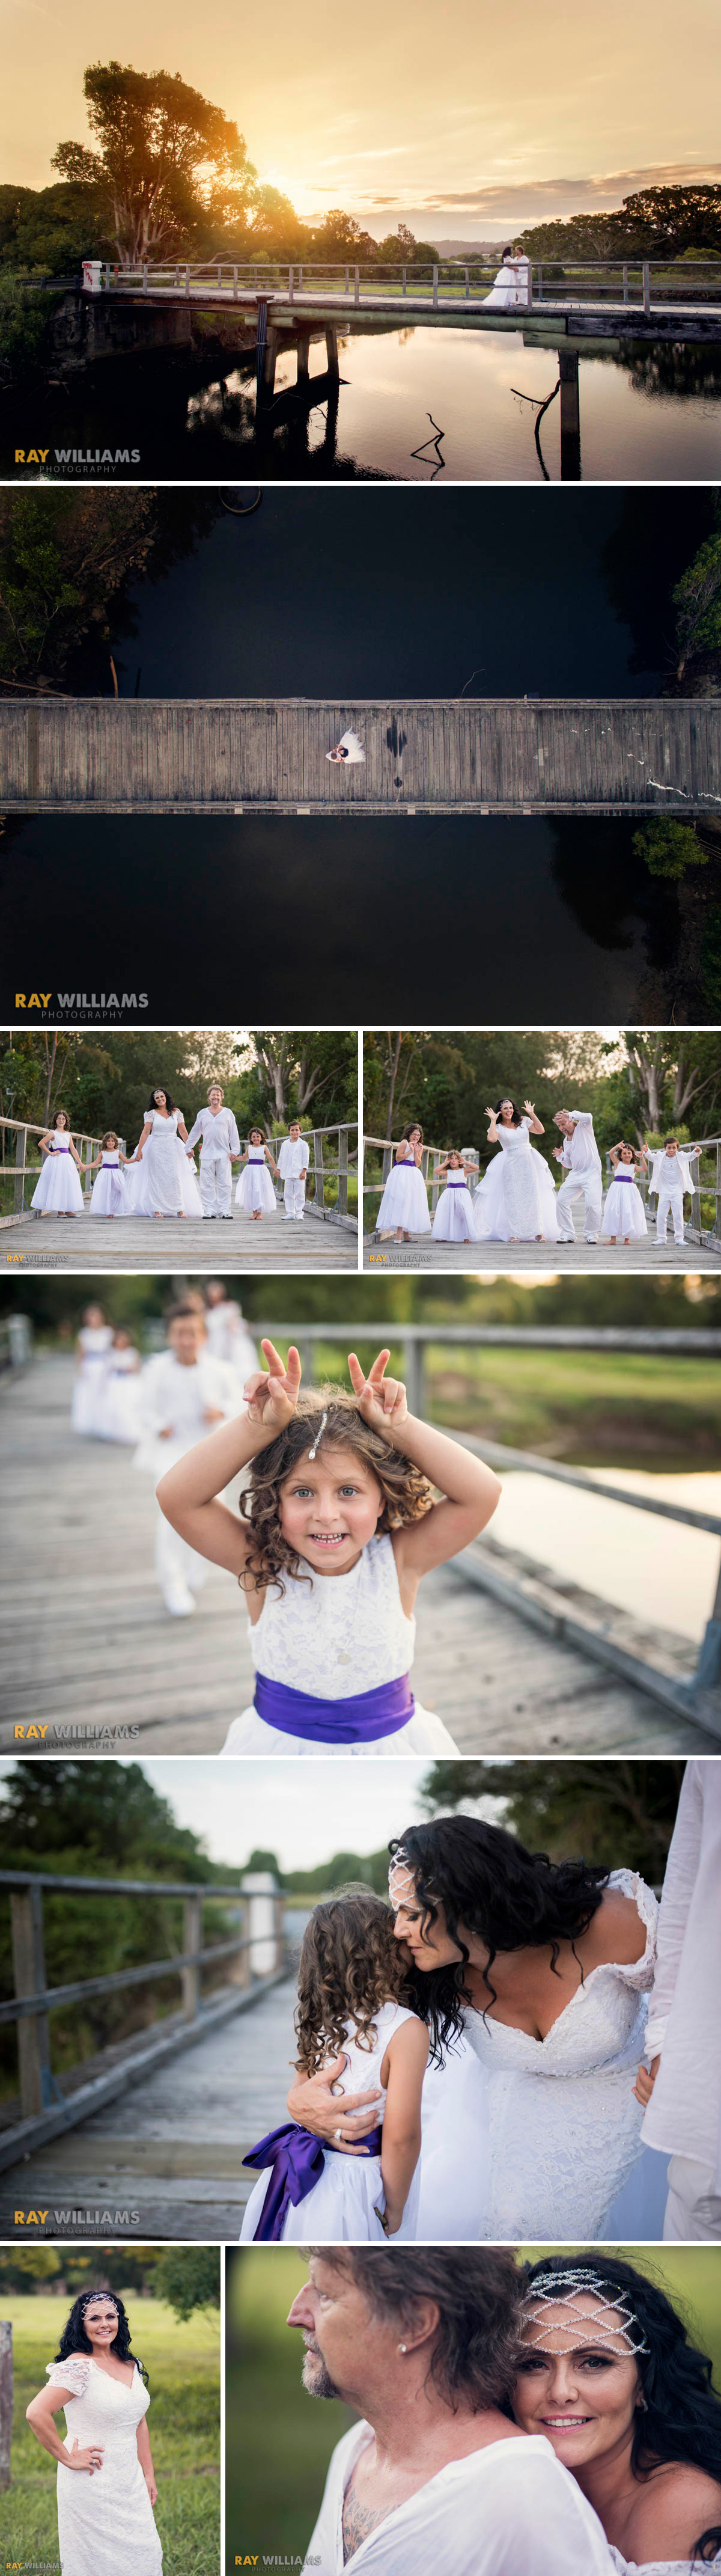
(105, 2522)
(516, 1200)
(562, 2125)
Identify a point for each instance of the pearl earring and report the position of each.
(403, 2347)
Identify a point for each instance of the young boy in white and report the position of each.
(293, 1167)
(182, 1395)
(220, 1146)
(580, 1155)
(671, 1177)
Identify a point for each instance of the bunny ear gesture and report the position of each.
(271, 1394)
(382, 1399)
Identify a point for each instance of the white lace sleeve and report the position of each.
(638, 1972)
(72, 2374)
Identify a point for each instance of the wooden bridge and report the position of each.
(93, 1662)
(621, 299)
(496, 755)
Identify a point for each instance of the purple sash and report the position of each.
(296, 2161)
(456, 1185)
(334, 1721)
(624, 1176)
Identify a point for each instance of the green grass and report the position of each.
(183, 2362)
(591, 1408)
(279, 2441)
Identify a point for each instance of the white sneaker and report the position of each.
(179, 1600)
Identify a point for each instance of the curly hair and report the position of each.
(75, 2339)
(350, 1964)
(167, 1096)
(509, 1897)
(406, 1493)
(477, 2289)
(682, 2416)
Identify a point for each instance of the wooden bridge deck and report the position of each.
(573, 316)
(431, 755)
(92, 1647)
(94, 1244)
(382, 1253)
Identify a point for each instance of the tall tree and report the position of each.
(163, 149)
(620, 1814)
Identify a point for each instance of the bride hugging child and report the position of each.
(337, 1526)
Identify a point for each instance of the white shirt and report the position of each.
(293, 1158)
(218, 1130)
(175, 1399)
(671, 1171)
(580, 1151)
(508, 2510)
(684, 2113)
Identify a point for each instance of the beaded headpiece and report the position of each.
(319, 1435)
(400, 1869)
(93, 2298)
(551, 2289)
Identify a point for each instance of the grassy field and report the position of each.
(279, 2441)
(593, 1408)
(183, 2363)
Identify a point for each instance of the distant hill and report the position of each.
(471, 249)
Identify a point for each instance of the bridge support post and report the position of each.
(28, 1948)
(331, 350)
(302, 357)
(192, 1932)
(570, 416)
(414, 1373)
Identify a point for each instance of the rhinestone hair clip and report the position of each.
(94, 2297)
(550, 2287)
(318, 1436)
(400, 1868)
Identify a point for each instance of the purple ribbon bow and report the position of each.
(296, 2161)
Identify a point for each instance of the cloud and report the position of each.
(515, 200)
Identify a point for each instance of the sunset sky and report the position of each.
(463, 121)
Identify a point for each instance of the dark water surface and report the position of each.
(412, 404)
(453, 921)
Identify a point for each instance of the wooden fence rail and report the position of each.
(645, 283)
(705, 1187)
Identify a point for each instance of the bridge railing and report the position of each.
(431, 1158)
(415, 1340)
(332, 1164)
(14, 1174)
(646, 284)
(706, 1174)
(257, 1951)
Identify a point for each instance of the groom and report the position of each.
(435, 2480)
(580, 1155)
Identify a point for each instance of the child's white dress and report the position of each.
(404, 1200)
(106, 2522)
(623, 1210)
(341, 2208)
(87, 1397)
(59, 1185)
(254, 1187)
(516, 1200)
(453, 1221)
(119, 1411)
(334, 1638)
(109, 1195)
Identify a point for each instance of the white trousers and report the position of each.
(175, 1561)
(294, 1195)
(215, 1181)
(587, 1186)
(693, 2208)
(672, 1199)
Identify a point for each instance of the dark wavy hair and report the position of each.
(509, 1897)
(477, 2289)
(682, 2416)
(350, 1964)
(407, 1132)
(406, 1493)
(167, 1096)
(505, 1095)
(257, 1130)
(61, 1113)
(75, 2339)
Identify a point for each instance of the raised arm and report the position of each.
(533, 1121)
(189, 1494)
(470, 1490)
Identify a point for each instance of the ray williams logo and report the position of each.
(75, 1007)
(77, 460)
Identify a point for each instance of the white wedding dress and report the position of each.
(516, 1200)
(106, 2522)
(657, 2566)
(562, 2128)
(164, 1181)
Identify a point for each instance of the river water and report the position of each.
(415, 404)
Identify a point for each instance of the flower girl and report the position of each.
(109, 1196)
(254, 1189)
(350, 1982)
(404, 1203)
(454, 1220)
(337, 1526)
(624, 1212)
(59, 1190)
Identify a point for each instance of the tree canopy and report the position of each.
(163, 148)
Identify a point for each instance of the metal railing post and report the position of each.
(26, 1915)
(192, 1930)
(356, 286)
(20, 1162)
(414, 1373)
(435, 289)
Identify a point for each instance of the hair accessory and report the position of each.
(553, 2287)
(318, 1436)
(94, 2295)
(398, 1875)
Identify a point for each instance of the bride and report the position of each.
(162, 1181)
(511, 282)
(608, 2376)
(106, 2486)
(516, 1200)
(532, 1977)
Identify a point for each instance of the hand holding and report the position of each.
(382, 1399)
(645, 2081)
(272, 1394)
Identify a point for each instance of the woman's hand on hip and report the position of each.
(90, 2459)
